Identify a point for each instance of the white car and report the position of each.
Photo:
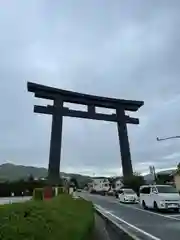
(127, 195)
(159, 197)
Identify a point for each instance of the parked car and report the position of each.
(116, 193)
(127, 195)
(110, 193)
(79, 190)
(159, 197)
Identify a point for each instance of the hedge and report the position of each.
(61, 190)
(38, 193)
(60, 218)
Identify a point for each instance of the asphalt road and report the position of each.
(13, 200)
(144, 224)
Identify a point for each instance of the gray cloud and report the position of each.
(125, 49)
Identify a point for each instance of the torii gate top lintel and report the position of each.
(42, 91)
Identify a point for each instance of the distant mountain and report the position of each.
(12, 172)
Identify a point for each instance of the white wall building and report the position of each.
(117, 184)
(100, 184)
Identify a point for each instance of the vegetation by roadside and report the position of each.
(20, 188)
(26, 187)
(134, 182)
(59, 218)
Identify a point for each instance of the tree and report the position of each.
(163, 178)
(134, 182)
(111, 183)
(73, 181)
(30, 178)
(178, 168)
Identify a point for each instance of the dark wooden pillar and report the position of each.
(124, 143)
(55, 143)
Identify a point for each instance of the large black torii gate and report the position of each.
(57, 110)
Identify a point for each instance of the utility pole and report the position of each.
(153, 173)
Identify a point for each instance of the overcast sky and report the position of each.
(120, 48)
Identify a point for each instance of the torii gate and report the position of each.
(57, 110)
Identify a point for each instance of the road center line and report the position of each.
(129, 224)
(154, 213)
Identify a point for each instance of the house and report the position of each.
(102, 184)
(116, 183)
(176, 176)
(99, 184)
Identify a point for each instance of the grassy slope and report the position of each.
(60, 218)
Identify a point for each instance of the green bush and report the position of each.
(60, 218)
(53, 191)
(60, 190)
(134, 182)
(38, 194)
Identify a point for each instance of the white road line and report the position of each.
(154, 213)
(174, 215)
(130, 225)
(134, 237)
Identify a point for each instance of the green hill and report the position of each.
(12, 172)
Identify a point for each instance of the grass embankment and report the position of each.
(61, 218)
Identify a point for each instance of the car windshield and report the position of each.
(128, 191)
(166, 189)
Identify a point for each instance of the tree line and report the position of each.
(26, 187)
(20, 188)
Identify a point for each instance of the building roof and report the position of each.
(99, 178)
(115, 179)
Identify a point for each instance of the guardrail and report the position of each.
(108, 229)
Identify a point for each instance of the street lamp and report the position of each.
(162, 139)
